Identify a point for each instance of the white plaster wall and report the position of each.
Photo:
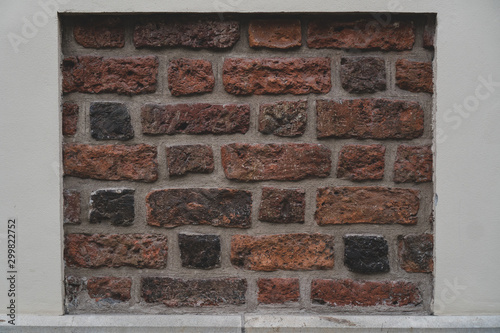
(468, 141)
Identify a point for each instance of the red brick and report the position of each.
(194, 293)
(361, 162)
(414, 76)
(282, 205)
(195, 33)
(275, 33)
(71, 207)
(416, 253)
(361, 34)
(365, 293)
(413, 164)
(283, 118)
(69, 119)
(198, 118)
(189, 159)
(199, 206)
(289, 161)
(429, 32)
(109, 288)
(369, 119)
(373, 204)
(278, 291)
(190, 76)
(298, 76)
(284, 252)
(99, 32)
(98, 250)
(111, 162)
(91, 74)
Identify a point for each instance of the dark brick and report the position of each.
(109, 288)
(199, 206)
(283, 118)
(99, 31)
(373, 204)
(429, 32)
(194, 293)
(413, 164)
(366, 254)
(364, 34)
(195, 119)
(73, 286)
(289, 161)
(200, 251)
(362, 74)
(298, 76)
(414, 76)
(91, 74)
(194, 33)
(416, 253)
(133, 250)
(189, 158)
(110, 121)
(275, 33)
(282, 252)
(361, 162)
(115, 206)
(111, 162)
(69, 119)
(282, 206)
(369, 119)
(190, 76)
(278, 291)
(71, 207)
(365, 293)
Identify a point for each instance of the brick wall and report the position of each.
(252, 164)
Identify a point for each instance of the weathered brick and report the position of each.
(72, 206)
(91, 74)
(199, 206)
(282, 205)
(285, 252)
(109, 288)
(363, 74)
(362, 34)
(69, 119)
(283, 118)
(200, 251)
(99, 31)
(369, 119)
(194, 293)
(98, 250)
(366, 254)
(192, 32)
(416, 253)
(298, 76)
(190, 76)
(73, 286)
(278, 291)
(289, 161)
(111, 162)
(414, 76)
(113, 205)
(413, 164)
(189, 159)
(275, 33)
(365, 293)
(110, 121)
(373, 204)
(199, 118)
(429, 32)
(361, 162)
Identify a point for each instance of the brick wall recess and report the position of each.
(248, 163)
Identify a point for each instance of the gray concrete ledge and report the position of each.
(249, 323)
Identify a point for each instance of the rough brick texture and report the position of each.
(117, 289)
(110, 121)
(278, 291)
(369, 119)
(99, 250)
(413, 164)
(374, 204)
(72, 206)
(416, 253)
(111, 162)
(414, 76)
(200, 251)
(69, 119)
(366, 254)
(361, 162)
(261, 76)
(282, 205)
(115, 206)
(216, 207)
(91, 74)
(275, 33)
(189, 159)
(365, 293)
(193, 293)
(100, 32)
(190, 76)
(362, 74)
(282, 252)
(283, 118)
(247, 162)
